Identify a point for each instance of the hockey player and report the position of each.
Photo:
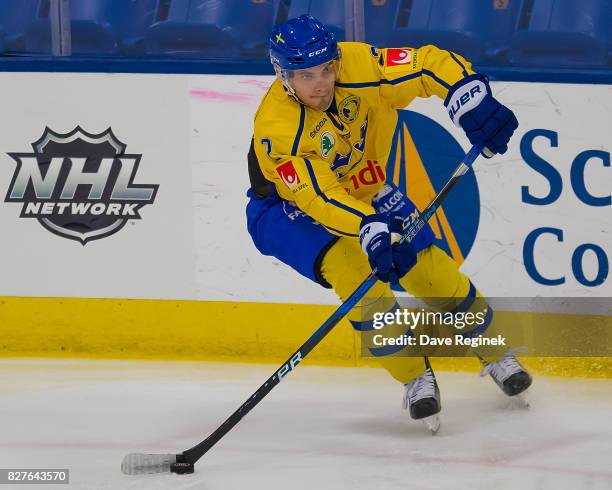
(330, 113)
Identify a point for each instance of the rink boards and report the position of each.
(160, 235)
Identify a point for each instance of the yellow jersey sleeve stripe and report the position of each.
(298, 135)
(453, 56)
(320, 193)
(376, 83)
(437, 79)
(384, 81)
(340, 232)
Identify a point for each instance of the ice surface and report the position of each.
(322, 428)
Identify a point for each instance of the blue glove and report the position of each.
(391, 201)
(404, 254)
(391, 260)
(471, 106)
(375, 240)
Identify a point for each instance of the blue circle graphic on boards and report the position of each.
(432, 154)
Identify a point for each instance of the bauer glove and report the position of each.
(471, 106)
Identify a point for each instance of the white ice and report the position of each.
(322, 428)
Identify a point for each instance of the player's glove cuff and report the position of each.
(404, 254)
(466, 95)
(372, 230)
(484, 119)
(375, 241)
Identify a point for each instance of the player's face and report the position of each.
(315, 86)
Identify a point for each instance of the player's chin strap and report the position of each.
(139, 463)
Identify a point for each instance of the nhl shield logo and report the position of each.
(79, 185)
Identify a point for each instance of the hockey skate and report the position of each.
(512, 378)
(422, 398)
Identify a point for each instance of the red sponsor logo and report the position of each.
(288, 174)
(371, 174)
(398, 56)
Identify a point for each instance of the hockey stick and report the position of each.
(139, 463)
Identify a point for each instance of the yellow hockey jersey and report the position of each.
(330, 164)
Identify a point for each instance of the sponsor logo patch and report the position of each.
(397, 57)
(400, 59)
(288, 174)
(371, 174)
(318, 127)
(327, 143)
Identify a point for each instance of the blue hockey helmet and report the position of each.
(301, 43)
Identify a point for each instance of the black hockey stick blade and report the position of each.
(146, 464)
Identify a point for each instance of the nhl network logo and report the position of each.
(78, 185)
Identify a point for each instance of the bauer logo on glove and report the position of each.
(484, 119)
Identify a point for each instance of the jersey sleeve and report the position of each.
(318, 194)
(307, 181)
(407, 73)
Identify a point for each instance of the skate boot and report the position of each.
(507, 373)
(422, 398)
